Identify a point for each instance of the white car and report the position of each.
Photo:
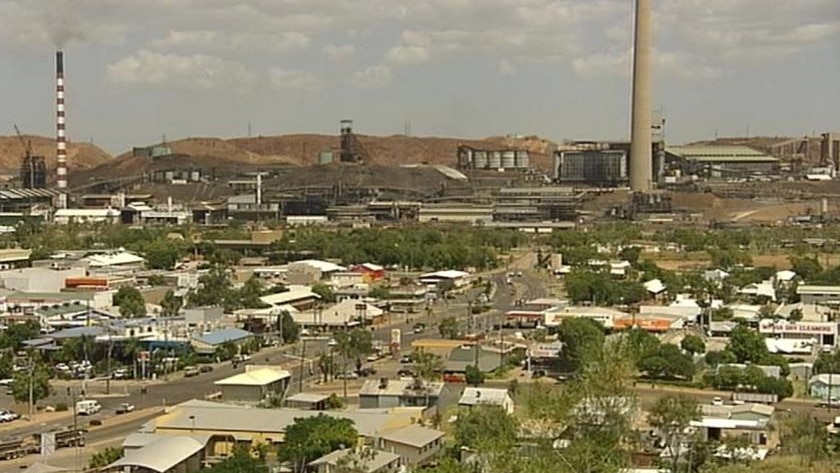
(8, 416)
(717, 401)
(332, 342)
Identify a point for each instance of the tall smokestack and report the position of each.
(60, 139)
(641, 162)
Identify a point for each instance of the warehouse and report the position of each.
(256, 384)
(594, 167)
(720, 161)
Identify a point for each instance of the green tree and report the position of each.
(326, 365)
(428, 366)
(6, 364)
(795, 315)
(309, 438)
(289, 329)
(485, 426)
(250, 293)
(672, 416)
(473, 376)
(722, 314)
(693, 344)
(380, 292)
(130, 302)
(156, 280)
(242, 461)
(747, 345)
(105, 457)
(170, 304)
(582, 338)
(325, 292)
(161, 254)
(804, 436)
(449, 328)
(215, 290)
(668, 362)
(642, 343)
(720, 357)
(808, 268)
(15, 334)
(38, 377)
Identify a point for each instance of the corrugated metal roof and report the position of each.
(260, 377)
(160, 455)
(414, 435)
(225, 335)
(476, 396)
(720, 153)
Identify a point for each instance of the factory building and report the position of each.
(594, 167)
(830, 149)
(720, 161)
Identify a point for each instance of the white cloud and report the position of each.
(665, 64)
(293, 80)
(407, 55)
(339, 52)
(373, 77)
(206, 40)
(172, 70)
(507, 68)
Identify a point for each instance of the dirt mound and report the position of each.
(79, 155)
(386, 150)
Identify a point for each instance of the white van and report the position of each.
(88, 407)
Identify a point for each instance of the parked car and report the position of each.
(367, 371)
(347, 375)
(332, 342)
(419, 328)
(405, 359)
(717, 401)
(125, 408)
(244, 358)
(205, 368)
(372, 358)
(191, 371)
(9, 416)
(405, 373)
(121, 373)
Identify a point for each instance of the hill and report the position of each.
(79, 155)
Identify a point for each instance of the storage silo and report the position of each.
(523, 159)
(494, 161)
(508, 159)
(480, 160)
(325, 157)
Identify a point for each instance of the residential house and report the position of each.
(308, 401)
(487, 397)
(455, 367)
(209, 342)
(388, 393)
(762, 291)
(255, 385)
(371, 272)
(456, 278)
(361, 460)
(170, 454)
(299, 297)
(117, 259)
(824, 386)
(416, 445)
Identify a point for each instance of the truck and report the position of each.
(11, 449)
(88, 407)
(759, 398)
(63, 438)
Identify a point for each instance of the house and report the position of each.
(362, 459)
(825, 295)
(715, 275)
(349, 309)
(299, 297)
(824, 386)
(203, 317)
(415, 444)
(655, 286)
(325, 267)
(808, 312)
(371, 272)
(308, 401)
(457, 278)
(455, 368)
(256, 384)
(66, 216)
(763, 290)
(387, 393)
(209, 342)
(785, 277)
(717, 429)
(487, 397)
(119, 259)
(619, 269)
(171, 454)
(605, 315)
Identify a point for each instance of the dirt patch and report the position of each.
(79, 155)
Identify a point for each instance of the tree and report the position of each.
(693, 344)
(6, 364)
(473, 376)
(720, 357)
(808, 268)
(215, 290)
(668, 362)
(581, 339)
(309, 438)
(795, 315)
(672, 415)
(170, 304)
(428, 366)
(156, 280)
(15, 334)
(804, 436)
(130, 301)
(722, 314)
(131, 349)
(326, 366)
(325, 292)
(39, 377)
(642, 343)
(161, 254)
(449, 328)
(380, 293)
(747, 345)
(766, 312)
(105, 457)
(242, 461)
(485, 426)
(355, 344)
(289, 329)
(250, 293)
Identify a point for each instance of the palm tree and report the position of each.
(131, 349)
(326, 366)
(428, 366)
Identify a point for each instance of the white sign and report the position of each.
(812, 328)
(47, 444)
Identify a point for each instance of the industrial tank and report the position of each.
(495, 160)
(508, 159)
(523, 159)
(480, 159)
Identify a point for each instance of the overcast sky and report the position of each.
(139, 69)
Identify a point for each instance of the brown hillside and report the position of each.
(79, 155)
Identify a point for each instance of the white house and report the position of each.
(458, 278)
(487, 397)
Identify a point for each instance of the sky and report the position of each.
(138, 70)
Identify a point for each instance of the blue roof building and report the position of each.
(208, 342)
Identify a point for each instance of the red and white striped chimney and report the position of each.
(61, 139)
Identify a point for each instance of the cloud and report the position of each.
(172, 70)
(507, 68)
(283, 79)
(665, 64)
(373, 77)
(339, 52)
(407, 55)
(206, 40)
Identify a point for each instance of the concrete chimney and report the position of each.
(641, 160)
(60, 139)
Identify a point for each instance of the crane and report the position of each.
(27, 159)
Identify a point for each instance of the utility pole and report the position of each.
(302, 362)
(31, 388)
(108, 360)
